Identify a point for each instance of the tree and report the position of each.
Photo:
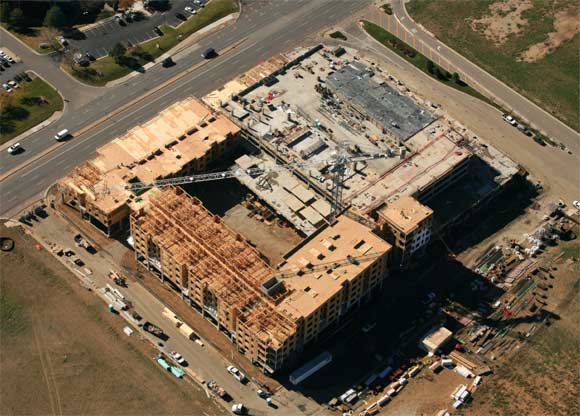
(5, 8)
(17, 19)
(430, 66)
(55, 17)
(48, 35)
(117, 52)
(456, 78)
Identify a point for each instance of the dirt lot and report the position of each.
(62, 353)
(425, 395)
(542, 377)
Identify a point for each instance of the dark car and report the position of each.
(167, 62)
(539, 140)
(181, 16)
(158, 31)
(90, 56)
(209, 53)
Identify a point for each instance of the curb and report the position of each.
(118, 110)
(25, 45)
(200, 34)
(54, 117)
(489, 93)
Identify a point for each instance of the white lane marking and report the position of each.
(157, 98)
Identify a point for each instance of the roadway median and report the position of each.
(120, 110)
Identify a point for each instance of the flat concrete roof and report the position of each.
(405, 213)
(395, 112)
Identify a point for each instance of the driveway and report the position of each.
(75, 93)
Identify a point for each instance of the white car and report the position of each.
(13, 84)
(510, 119)
(7, 87)
(190, 10)
(238, 375)
(576, 204)
(15, 148)
(177, 357)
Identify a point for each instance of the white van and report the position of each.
(63, 134)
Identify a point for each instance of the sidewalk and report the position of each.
(54, 117)
(205, 362)
(182, 46)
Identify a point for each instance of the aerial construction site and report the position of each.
(277, 209)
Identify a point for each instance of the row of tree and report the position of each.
(21, 15)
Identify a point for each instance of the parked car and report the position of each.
(510, 119)
(7, 87)
(239, 409)
(90, 56)
(15, 148)
(158, 31)
(539, 140)
(576, 204)
(238, 375)
(63, 41)
(181, 16)
(177, 357)
(190, 10)
(13, 84)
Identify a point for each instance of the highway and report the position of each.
(272, 28)
(506, 96)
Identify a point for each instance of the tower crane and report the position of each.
(339, 162)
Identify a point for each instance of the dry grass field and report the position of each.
(63, 353)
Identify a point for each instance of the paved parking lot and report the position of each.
(100, 39)
(12, 70)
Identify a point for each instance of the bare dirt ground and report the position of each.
(62, 353)
(505, 19)
(566, 25)
(426, 394)
(271, 240)
(542, 377)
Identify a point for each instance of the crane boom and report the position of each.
(339, 161)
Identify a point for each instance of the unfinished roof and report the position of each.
(219, 257)
(395, 112)
(433, 159)
(405, 213)
(344, 238)
(159, 148)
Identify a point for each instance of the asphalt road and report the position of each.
(537, 117)
(271, 28)
(205, 361)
